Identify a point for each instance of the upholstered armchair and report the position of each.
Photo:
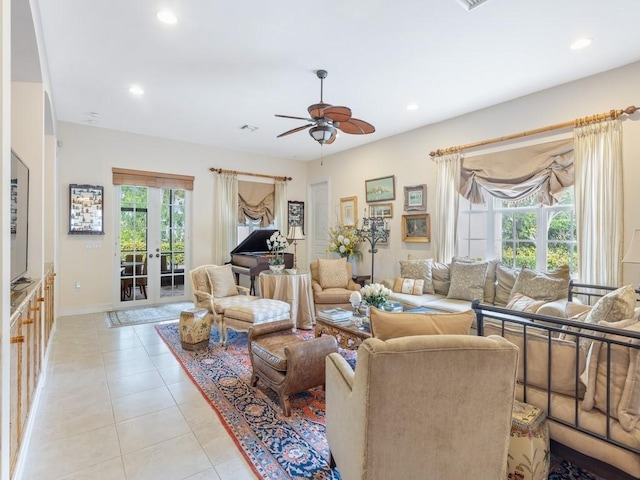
(332, 283)
(214, 288)
(428, 406)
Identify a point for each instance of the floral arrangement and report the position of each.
(276, 244)
(375, 294)
(344, 241)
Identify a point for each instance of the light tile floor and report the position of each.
(116, 405)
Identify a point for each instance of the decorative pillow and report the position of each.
(614, 306)
(625, 376)
(505, 280)
(490, 280)
(522, 303)
(332, 273)
(222, 282)
(419, 270)
(467, 280)
(410, 286)
(441, 277)
(387, 325)
(538, 285)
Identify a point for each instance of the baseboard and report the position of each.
(70, 311)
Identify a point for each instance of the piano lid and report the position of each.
(255, 242)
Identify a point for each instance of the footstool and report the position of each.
(529, 443)
(194, 328)
(242, 317)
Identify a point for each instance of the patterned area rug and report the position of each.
(276, 446)
(137, 316)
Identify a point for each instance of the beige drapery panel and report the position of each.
(256, 201)
(225, 216)
(545, 170)
(446, 211)
(281, 208)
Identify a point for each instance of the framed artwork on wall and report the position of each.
(416, 228)
(382, 210)
(415, 198)
(85, 210)
(349, 211)
(380, 189)
(296, 214)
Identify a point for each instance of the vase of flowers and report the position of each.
(345, 241)
(375, 294)
(276, 245)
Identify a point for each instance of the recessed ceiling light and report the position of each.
(136, 90)
(412, 106)
(167, 16)
(580, 43)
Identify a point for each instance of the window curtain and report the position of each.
(543, 169)
(281, 208)
(256, 201)
(225, 216)
(599, 201)
(446, 211)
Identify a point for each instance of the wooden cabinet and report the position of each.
(32, 319)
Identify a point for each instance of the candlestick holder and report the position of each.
(374, 230)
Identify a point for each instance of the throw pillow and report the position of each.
(522, 303)
(506, 279)
(419, 270)
(467, 280)
(222, 282)
(624, 384)
(439, 275)
(490, 280)
(387, 325)
(332, 273)
(538, 285)
(409, 286)
(614, 306)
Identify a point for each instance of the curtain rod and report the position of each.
(275, 177)
(613, 114)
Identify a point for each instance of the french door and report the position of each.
(153, 256)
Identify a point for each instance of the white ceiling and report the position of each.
(227, 64)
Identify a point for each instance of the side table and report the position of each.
(529, 443)
(361, 279)
(293, 288)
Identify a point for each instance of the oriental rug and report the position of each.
(140, 315)
(275, 446)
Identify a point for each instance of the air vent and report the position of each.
(470, 4)
(249, 128)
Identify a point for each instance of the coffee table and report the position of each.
(346, 333)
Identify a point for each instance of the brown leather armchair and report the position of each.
(286, 363)
(331, 297)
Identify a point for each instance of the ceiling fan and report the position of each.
(325, 119)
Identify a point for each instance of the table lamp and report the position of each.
(633, 252)
(295, 234)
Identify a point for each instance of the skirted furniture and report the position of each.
(332, 283)
(285, 362)
(214, 288)
(429, 406)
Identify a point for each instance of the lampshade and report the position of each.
(295, 233)
(322, 133)
(633, 252)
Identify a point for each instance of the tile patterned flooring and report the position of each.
(116, 405)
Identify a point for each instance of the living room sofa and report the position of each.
(570, 360)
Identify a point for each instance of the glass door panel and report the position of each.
(173, 235)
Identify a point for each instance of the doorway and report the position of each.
(152, 245)
(318, 219)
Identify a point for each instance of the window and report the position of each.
(247, 225)
(520, 233)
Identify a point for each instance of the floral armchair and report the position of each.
(214, 288)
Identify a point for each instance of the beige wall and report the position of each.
(407, 155)
(86, 156)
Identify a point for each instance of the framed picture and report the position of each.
(382, 210)
(85, 210)
(296, 215)
(380, 189)
(416, 228)
(415, 198)
(348, 211)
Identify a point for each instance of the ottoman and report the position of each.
(529, 443)
(194, 328)
(242, 317)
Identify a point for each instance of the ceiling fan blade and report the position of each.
(338, 114)
(356, 126)
(317, 110)
(295, 118)
(294, 130)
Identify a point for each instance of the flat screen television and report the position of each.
(19, 217)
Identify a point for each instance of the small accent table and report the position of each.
(194, 328)
(529, 443)
(293, 288)
(346, 333)
(361, 279)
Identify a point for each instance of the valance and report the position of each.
(543, 169)
(256, 201)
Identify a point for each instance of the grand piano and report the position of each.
(251, 256)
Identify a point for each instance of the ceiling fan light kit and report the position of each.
(326, 118)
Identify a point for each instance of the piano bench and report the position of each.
(241, 318)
